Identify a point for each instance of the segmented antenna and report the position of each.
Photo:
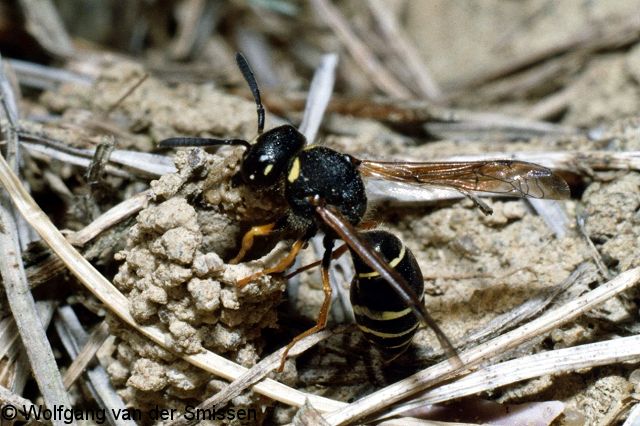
(174, 142)
(247, 73)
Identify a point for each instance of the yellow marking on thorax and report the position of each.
(395, 262)
(295, 170)
(387, 335)
(267, 169)
(380, 315)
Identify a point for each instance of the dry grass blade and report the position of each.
(9, 102)
(359, 50)
(195, 24)
(118, 304)
(490, 121)
(415, 112)
(553, 215)
(581, 218)
(527, 81)
(597, 36)
(527, 367)
(45, 270)
(412, 112)
(109, 218)
(23, 308)
(479, 128)
(319, 95)
(73, 336)
(584, 274)
(405, 49)
(14, 364)
(84, 357)
(126, 94)
(10, 109)
(47, 152)
(308, 416)
(44, 77)
(143, 164)
(553, 104)
(442, 371)
(253, 375)
(410, 421)
(8, 337)
(634, 416)
(9, 96)
(9, 398)
(46, 26)
(576, 161)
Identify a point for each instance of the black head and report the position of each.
(268, 158)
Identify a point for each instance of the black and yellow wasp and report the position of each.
(324, 191)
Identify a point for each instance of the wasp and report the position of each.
(324, 191)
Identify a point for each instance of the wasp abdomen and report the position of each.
(380, 313)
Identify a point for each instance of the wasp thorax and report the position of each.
(324, 174)
(268, 158)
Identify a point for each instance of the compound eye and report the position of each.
(260, 168)
(267, 159)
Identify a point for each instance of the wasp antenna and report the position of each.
(176, 142)
(247, 73)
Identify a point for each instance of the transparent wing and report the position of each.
(518, 178)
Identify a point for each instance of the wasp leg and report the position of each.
(335, 255)
(247, 240)
(280, 267)
(321, 323)
(370, 224)
(484, 207)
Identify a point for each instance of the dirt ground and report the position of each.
(569, 63)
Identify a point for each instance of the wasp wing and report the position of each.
(519, 178)
(341, 226)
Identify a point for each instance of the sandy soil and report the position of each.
(174, 266)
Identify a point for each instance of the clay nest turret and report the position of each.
(176, 279)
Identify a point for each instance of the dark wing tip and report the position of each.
(559, 189)
(537, 181)
(551, 187)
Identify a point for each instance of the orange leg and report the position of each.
(280, 267)
(321, 323)
(336, 254)
(247, 240)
